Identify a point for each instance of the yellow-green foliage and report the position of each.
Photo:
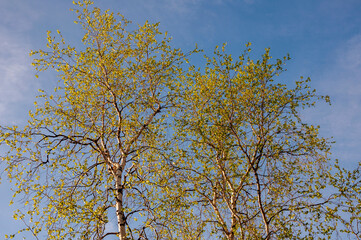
(104, 121)
(181, 152)
(249, 159)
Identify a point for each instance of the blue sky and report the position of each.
(323, 38)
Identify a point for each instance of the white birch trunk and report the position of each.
(119, 205)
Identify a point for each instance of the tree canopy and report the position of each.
(137, 135)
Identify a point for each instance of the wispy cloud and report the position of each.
(342, 81)
(350, 54)
(15, 68)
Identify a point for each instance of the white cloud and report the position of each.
(350, 55)
(342, 82)
(17, 15)
(14, 66)
(15, 70)
(15, 73)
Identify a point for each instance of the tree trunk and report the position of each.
(233, 218)
(119, 205)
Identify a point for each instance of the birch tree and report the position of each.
(92, 148)
(252, 167)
